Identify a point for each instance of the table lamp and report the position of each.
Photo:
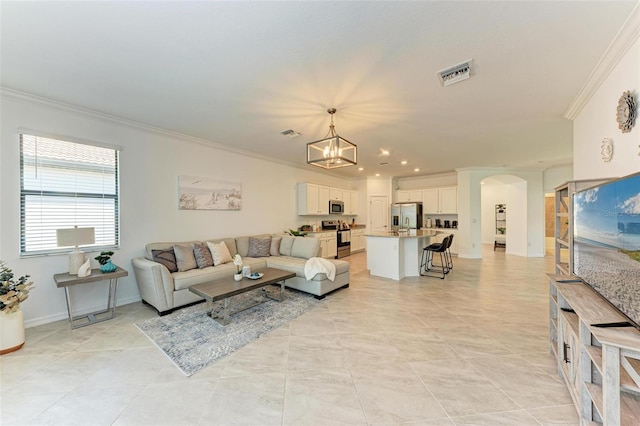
(75, 237)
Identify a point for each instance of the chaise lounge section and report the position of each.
(167, 291)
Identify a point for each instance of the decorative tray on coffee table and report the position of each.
(256, 276)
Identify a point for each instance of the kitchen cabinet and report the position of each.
(313, 199)
(350, 202)
(440, 200)
(409, 196)
(337, 194)
(358, 240)
(328, 244)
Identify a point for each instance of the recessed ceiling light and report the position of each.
(416, 169)
(384, 152)
(360, 169)
(403, 162)
(377, 174)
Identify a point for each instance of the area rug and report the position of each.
(192, 340)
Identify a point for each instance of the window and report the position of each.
(65, 184)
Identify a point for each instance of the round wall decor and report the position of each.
(626, 112)
(606, 150)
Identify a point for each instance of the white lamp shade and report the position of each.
(71, 237)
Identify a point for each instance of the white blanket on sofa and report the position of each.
(318, 265)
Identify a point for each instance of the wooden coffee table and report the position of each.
(224, 288)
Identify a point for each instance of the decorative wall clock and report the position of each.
(606, 150)
(626, 112)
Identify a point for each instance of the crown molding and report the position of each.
(622, 42)
(16, 95)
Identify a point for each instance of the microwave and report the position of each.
(336, 207)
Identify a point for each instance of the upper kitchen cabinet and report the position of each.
(337, 194)
(440, 200)
(350, 202)
(409, 196)
(313, 199)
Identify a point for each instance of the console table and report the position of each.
(598, 359)
(66, 281)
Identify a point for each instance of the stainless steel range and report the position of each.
(344, 236)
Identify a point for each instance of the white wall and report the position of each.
(597, 120)
(150, 164)
(470, 210)
(431, 181)
(517, 220)
(556, 176)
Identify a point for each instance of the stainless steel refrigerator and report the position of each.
(406, 216)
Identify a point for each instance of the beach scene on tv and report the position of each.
(607, 242)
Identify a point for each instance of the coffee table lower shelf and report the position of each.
(225, 288)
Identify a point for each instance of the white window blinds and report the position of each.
(66, 184)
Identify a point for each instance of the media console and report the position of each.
(598, 356)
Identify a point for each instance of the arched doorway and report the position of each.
(511, 192)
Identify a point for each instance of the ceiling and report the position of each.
(239, 73)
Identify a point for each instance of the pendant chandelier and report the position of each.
(332, 151)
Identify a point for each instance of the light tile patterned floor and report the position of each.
(468, 350)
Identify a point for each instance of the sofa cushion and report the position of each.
(305, 247)
(166, 257)
(220, 253)
(184, 280)
(203, 255)
(184, 257)
(259, 247)
(285, 246)
(296, 265)
(242, 245)
(275, 246)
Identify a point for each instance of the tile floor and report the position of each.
(468, 350)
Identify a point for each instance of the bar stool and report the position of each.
(448, 253)
(426, 264)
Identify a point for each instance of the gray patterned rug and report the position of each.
(192, 340)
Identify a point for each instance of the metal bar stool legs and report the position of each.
(427, 266)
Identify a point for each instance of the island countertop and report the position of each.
(414, 233)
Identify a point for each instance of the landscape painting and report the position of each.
(200, 193)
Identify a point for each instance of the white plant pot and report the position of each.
(11, 332)
(238, 277)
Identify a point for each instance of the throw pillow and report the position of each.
(166, 258)
(220, 253)
(259, 247)
(184, 257)
(202, 255)
(275, 246)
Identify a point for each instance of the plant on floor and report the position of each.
(12, 291)
(104, 257)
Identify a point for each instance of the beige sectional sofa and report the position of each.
(166, 291)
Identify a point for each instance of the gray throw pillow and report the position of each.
(184, 257)
(166, 258)
(203, 255)
(259, 247)
(285, 246)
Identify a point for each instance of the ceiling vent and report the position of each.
(383, 164)
(455, 73)
(290, 132)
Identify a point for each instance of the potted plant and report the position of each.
(237, 260)
(104, 259)
(12, 292)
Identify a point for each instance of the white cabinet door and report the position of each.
(449, 200)
(336, 194)
(354, 202)
(308, 199)
(406, 196)
(323, 200)
(332, 246)
(430, 201)
(347, 201)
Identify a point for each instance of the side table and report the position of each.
(67, 281)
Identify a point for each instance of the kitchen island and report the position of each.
(397, 255)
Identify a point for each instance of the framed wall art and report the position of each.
(201, 193)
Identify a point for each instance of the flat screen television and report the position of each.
(606, 242)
